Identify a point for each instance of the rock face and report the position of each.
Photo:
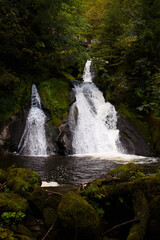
(131, 140)
(12, 131)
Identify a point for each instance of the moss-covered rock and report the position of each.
(22, 230)
(49, 216)
(141, 210)
(3, 175)
(38, 199)
(23, 181)
(127, 172)
(77, 217)
(153, 228)
(12, 202)
(21, 237)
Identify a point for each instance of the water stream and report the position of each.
(33, 141)
(92, 121)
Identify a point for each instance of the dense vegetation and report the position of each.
(39, 40)
(126, 54)
(47, 43)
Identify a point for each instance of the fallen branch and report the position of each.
(49, 230)
(120, 225)
(58, 193)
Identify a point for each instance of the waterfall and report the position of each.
(92, 121)
(33, 140)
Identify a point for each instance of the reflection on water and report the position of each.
(76, 169)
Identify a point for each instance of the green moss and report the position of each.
(11, 202)
(127, 172)
(141, 127)
(76, 215)
(23, 181)
(3, 175)
(141, 211)
(55, 97)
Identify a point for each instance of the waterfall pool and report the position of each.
(76, 169)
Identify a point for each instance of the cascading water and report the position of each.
(33, 141)
(92, 121)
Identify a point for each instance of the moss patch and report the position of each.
(12, 202)
(127, 172)
(23, 181)
(55, 97)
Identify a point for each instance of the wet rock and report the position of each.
(64, 139)
(51, 136)
(131, 140)
(23, 181)
(16, 129)
(12, 202)
(77, 217)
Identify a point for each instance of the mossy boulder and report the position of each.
(141, 212)
(154, 229)
(22, 230)
(77, 217)
(38, 199)
(49, 216)
(127, 172)
(23, 181)
(11, 202)
(3, 175)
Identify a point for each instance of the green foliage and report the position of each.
(55, 96)
(12, 217)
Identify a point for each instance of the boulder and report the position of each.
(49, 216)
(37, 199)
(127, 172)
(77, 217)
(23, 181)
(12, 202)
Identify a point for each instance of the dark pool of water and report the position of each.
(69, 170)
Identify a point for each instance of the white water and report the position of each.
(93, 122)
(33, 141)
